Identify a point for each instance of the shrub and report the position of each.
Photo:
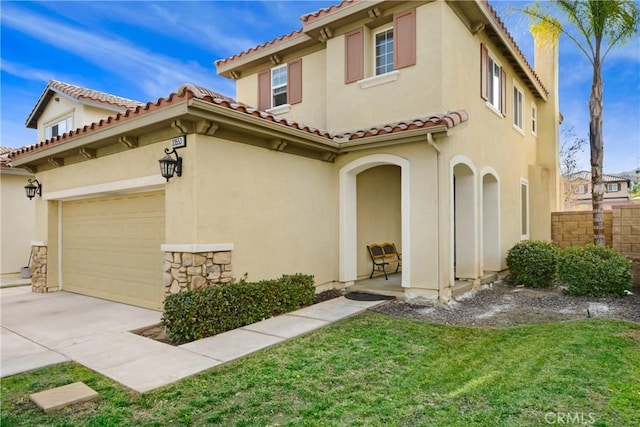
(594, 271)
(208, 311)
(532, 263)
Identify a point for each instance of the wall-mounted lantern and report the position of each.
(168, 165)
(32, 188)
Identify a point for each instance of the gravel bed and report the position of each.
(500, 304)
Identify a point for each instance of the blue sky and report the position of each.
(145, 50)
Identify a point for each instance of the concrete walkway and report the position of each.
(44, 329)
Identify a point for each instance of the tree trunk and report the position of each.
(597, 153)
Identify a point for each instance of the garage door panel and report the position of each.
(111, 248)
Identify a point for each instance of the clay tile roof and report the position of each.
(190, 91)
(324, 11)
(449, 120)
(118, 117)
(80, 94)
(586, 176)
(264, 45)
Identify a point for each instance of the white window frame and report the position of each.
(375, 36)
(68, 126)
(534, 118)
(494, 84)
(279, 86)
(609, 188)
(518, 108)
(525, 215)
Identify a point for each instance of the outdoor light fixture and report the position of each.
(169, 165)
(32, 188)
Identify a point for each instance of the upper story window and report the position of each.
(534, 119)
(59, 128)
(518, 108)
(384, 51)
(394, 47)
(493, 81)
(613, 187)
(582, 188)
(278, 86)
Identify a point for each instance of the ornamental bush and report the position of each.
(532, 263)
(594, 271)
(204, 312)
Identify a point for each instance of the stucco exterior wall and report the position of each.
(279, 210)
(312, 111)
(18, 222)
(417, 92)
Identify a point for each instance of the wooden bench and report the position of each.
(383, 255)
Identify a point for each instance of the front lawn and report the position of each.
(378, 370)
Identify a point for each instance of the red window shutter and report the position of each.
(404, 39)
(294, 81)
(503, 101)
(484, 87)
(354, 56)
(264, 90)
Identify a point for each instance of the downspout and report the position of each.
(433, 144)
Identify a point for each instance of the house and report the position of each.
(18, 215)
(579, 190)
(417, 122)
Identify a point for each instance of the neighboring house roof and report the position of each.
(586, 176)
(5, 163)
(79, 94)
(445, 121)
(499, 32)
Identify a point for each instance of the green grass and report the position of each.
(377, 370)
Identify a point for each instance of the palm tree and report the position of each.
(595, 27)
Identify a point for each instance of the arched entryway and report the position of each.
(464, 211)
(491, 258)
(349, 213)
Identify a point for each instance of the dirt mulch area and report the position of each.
(500, 304)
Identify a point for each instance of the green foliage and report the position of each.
(532, 263)
(204, 312)
(594, 271)
(366, 371)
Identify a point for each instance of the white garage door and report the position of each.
(111, 248)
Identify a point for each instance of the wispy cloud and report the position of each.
(157, 74)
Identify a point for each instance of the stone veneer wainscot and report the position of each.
(39, 267)
(188, 267)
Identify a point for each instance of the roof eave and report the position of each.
(225, 68)
(540, 90)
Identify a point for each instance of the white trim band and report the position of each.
(146, 183)
(197, 248)
(38, 243)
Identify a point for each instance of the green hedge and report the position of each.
(208, 311)
(532, 263)
(594, 271)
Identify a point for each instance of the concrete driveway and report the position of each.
(45, 329)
